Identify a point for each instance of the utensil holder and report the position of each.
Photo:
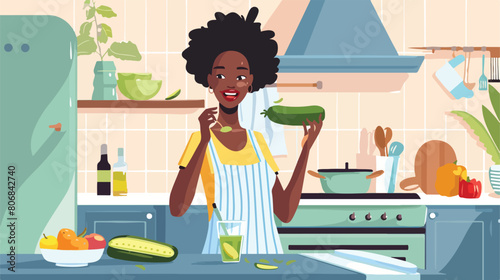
(383, 182)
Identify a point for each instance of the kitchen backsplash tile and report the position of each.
(157, 150)
(157, 121)
(348, 110)
(157, 182)
(135, 25)
(384, 109)
(136, 182)
(159, 28)
(451, 23)
(135, 121)
(347, 148)
(81, 181)
(176, 26)
(156, 25)
(116, 121)
(488, 11)
(135, 149)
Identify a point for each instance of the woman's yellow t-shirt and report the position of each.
(245, 156)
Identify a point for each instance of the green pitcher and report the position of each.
(104, 81)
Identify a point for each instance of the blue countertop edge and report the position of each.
(186, 266)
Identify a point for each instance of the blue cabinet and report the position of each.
(110, 221)
(188, 232)
(463, 241)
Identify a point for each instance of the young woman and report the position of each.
(233, 57)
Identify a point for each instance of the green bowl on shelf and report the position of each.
(134, 76)
(138, 86)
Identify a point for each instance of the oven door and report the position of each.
(408, 246)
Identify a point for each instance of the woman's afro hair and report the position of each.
(233, 32)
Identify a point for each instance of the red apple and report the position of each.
(96, 241)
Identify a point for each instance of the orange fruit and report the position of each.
(64, 239)
(80, 243)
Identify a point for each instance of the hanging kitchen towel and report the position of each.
(250, 118)
(448, 78)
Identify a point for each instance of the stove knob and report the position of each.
(352, 217)
(399, 217)
(368, 217)
(384, 216)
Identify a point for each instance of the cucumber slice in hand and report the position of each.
(225, 129)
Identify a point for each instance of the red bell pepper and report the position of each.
(469, 188)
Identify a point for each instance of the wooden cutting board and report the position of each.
(432, 155)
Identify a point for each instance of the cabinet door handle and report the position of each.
(56, 126)
(149, 216)
(432, 215)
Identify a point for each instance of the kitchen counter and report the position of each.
(186, 266)
(199, 199)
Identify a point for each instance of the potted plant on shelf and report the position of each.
(488, 136)
(104, 79)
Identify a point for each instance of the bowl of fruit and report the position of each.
(71, 250)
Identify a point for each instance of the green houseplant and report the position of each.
(488, 136)
(104, 79)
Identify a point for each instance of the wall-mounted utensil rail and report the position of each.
(494, 54)
(318, 85)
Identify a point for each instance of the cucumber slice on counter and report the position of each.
(265, 266)
(263, 261)
(290, 262)
(277, 261)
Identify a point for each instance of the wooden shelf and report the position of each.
(186, 106)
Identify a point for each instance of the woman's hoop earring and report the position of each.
(250, 88)
(210, 90)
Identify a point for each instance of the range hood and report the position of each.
(341, 45)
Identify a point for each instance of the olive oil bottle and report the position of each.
(120, 175)
(104, 173)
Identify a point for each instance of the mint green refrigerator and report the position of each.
(38, 129)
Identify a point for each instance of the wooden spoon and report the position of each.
(380, 140)
(388, 137)
(466, 72)
(315, 174)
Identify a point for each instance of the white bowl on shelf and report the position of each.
(72, 258)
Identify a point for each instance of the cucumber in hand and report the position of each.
(288, 115)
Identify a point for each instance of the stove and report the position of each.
(396, 231)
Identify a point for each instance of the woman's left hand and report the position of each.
(312, 133)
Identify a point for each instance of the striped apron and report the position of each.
(244, 193)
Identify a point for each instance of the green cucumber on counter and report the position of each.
(139, 249)
(288, 115)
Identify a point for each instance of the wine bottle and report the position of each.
(104, 173)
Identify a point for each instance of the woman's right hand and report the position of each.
(206, 119)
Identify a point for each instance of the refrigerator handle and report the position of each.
(57, 126)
